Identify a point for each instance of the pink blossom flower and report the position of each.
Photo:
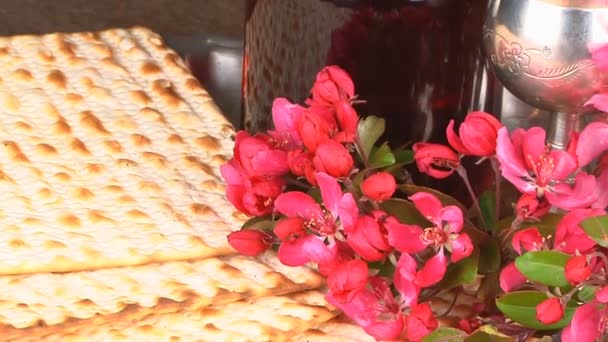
(285, 116)
(478, 134)
(257, 156)
(577, 269)
(535, 169)
(570, 236)
(589, 321)
(446, 232)
(374, 309)
(298, 247)
(529, 238)
(332, 85)
(347, 279)
(550, 311)
(438, 161)
(250, 242)
(511, 278)
(253, 196)
(334, 159)
(305, 215)
(379, 187)
(368, 237)
(529, 206)
(420, 322)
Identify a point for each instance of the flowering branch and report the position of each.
(386, 253)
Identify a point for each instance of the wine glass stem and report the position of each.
(561, 127)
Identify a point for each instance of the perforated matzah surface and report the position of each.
(272, 319)
(109, 154)
(54, 298)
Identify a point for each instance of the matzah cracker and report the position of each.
(109, 155)
(53, 298)
(339, 329)
(272, 319)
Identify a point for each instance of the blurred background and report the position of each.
(171, 17)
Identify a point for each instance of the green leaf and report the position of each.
(462, 272)
(260, 223)
(597, 228)
(488, 334)
(489, 257)
(385, 269)
(404, 211)
(521, 307)
(410, 189)
(403, 157)
(586, 294)
(545, 267)
(487, 203)
(445, 334)
(381, 157)
(316, 194)
(369, 131)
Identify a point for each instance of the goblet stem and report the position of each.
(562, 125)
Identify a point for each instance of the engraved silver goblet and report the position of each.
(540, 50)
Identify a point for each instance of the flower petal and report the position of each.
(406, 238)
(348, 212)
(512, 165)
(533, 145)
(303, 250)
(585, 325)
(331, 193)
(461, 247)
(511, 278)
(592, 141)
(427, 204)
(297, 204)
(452, 216)
(454, 139)
(583, 194)
(433, 270)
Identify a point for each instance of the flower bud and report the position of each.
(478, 134)
(334, 159)
(314, 129)
(348, 121)
(250, 242)
(577, 269)
(300, 164)
(379, 186)
(550, 311)
(529, 238)
(332, 84)
(529, 206)
(438, 161)
(257, 157)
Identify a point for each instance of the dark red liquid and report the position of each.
(418, 64)
(415, 63)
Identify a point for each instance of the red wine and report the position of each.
(418, 64)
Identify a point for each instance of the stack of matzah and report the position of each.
(113, 220)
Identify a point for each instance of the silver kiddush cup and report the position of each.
(540, 50)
